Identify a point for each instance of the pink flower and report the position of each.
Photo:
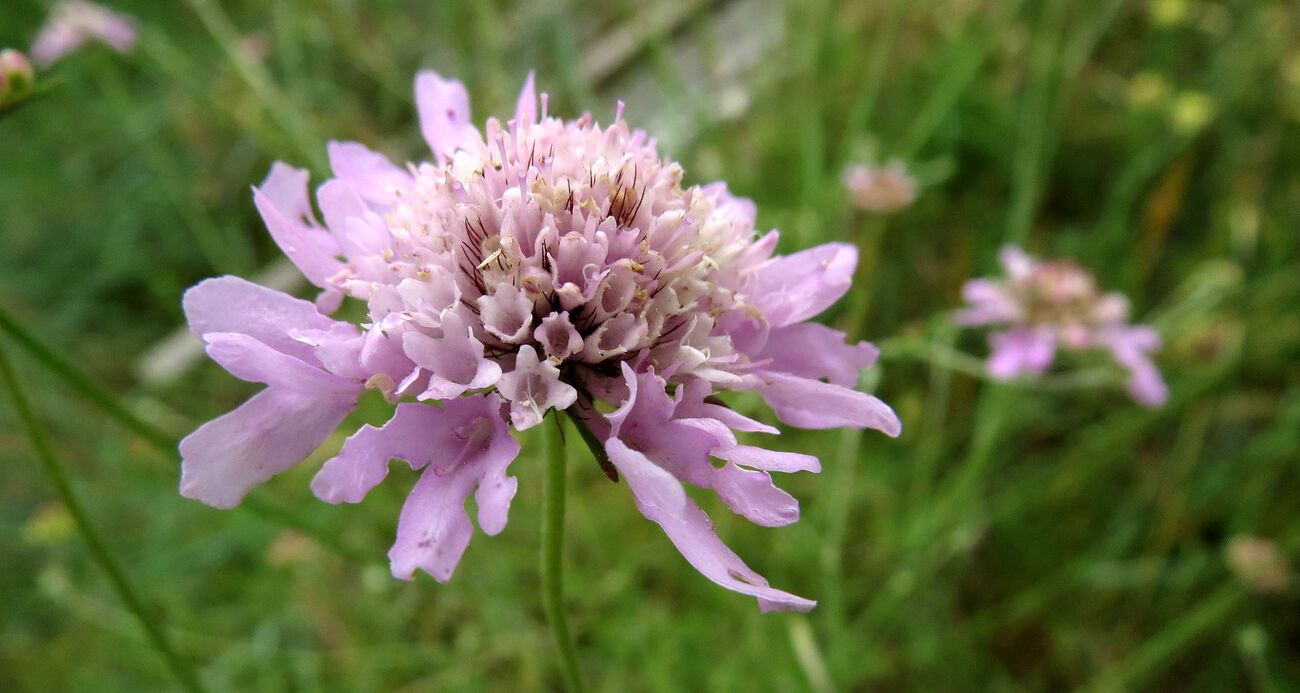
(1056, 305)
(73, 23)
(886, 189)
(536, 265)
(16, 77)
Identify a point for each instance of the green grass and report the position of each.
(1014, 538)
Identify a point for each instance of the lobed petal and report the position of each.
(283, 203)
(796, 287)
(1021, 351)
(661, 499)
(368, 172)
(231, 304)
(810, 350)
(274, 430)
(251, 360)
(474, 450)
(814, 404)
(443, 105)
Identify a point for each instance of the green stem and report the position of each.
(864, 106)
(161, 440)
(1164, 648)
(83, 384)
(960, 73)
(553, 553)
(276, 102)
(98, 551)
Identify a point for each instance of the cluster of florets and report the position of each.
(538, 265)
(1048, 305)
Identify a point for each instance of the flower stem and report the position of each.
(84, 384)
(161, 440)
(553, 496)
(98, 551)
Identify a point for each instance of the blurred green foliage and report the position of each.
(1015, 538)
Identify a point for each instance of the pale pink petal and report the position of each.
(534, 387)
(1017, 263)
(285, 188)
(558, 337)
(444, 114)
(251, 360)
(770, 460)
(752, 495)
(339, 204)
(1130, 346)
(282, 201)
(990, 303)
(810, 350)
(507, 313)
(231, 304)
(56, 40)
(455, 360)
(660, 498)
(1021, 351)
(362, 463)
(526, 107)
(434, 528)
(268, 434)
(368, 172)
(813, 404)
(697, 403)
(796, 287)
(681, 446)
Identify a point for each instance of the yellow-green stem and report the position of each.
(98, 551)
(553, 497)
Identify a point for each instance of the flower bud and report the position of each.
(16, 77)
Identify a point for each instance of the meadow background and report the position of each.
(1016, 537)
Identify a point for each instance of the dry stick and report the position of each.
(98, 551)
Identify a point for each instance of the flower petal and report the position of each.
(1021, 351)
(455, 360)
(474, 451)
(990, 303)
(660, 498)
(368, 172)
(533, 387)
(271, 432)
(526, 107)
(444, 114)
(248, 359)
(813, 404)
(411, 434)
(284, 206)
(810, 350)
(770, 460)
(796, 287)
(1130, 346)
(231, 304)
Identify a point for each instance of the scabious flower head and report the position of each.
(884, 189)
(73, 23)
(1046, 305)
(537, 265)
(16, 77)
